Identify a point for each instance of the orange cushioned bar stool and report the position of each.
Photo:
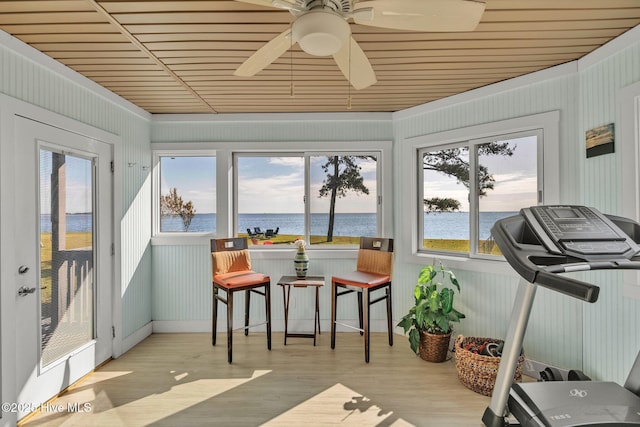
(373, 273)
(231, 265)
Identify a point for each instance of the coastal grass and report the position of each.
(289, 239)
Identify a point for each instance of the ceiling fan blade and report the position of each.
(266, 3)
(265, 55)
(422, 15)
(280, 4)
(355, 65)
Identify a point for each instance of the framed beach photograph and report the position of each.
(600, 140)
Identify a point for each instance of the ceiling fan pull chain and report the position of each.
(292, 93)
(349, 79)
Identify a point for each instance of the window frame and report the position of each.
(548, 160)
(306, 156)
(474, 200)
(156, 191)
(225, 209)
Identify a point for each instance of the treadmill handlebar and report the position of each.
(522, 253)
(568, 286)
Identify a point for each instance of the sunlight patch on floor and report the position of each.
(338, 405)
(113, 406)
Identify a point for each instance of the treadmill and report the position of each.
(541, 243)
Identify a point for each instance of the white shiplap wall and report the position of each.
(561, 331)
(55, 88)
(487, 297)
(610, 330)
(181, 276)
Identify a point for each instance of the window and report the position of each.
(273, 196)
(466, 186)
(323, 198)
(187, 193)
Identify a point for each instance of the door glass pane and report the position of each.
(507, 182)
(343, 199)
(270, 199)
(446, 200)
(66, 254)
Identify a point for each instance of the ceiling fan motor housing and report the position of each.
(321, 32)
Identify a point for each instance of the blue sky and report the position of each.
(515, 186)
(267, 184)
(78, 183)
(275, 184)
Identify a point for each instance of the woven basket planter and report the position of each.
(478, 372)
(434, 347)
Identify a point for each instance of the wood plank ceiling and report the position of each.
(172, 56)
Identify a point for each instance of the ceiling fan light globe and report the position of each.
(321, 33)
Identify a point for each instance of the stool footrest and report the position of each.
(242, 328)
(349, 326)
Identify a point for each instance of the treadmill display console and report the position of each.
(579, 231)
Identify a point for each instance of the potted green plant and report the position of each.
(429, 321)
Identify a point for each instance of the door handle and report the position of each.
(24, 291)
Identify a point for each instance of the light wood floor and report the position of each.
(181, 380)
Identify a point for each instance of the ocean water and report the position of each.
(445, 225)
(455, 225)
(358, 224)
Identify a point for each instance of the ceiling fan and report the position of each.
(321, 29)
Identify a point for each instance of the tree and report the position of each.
(451, 162)
(343, 175)
(172, 204)
(438, 204)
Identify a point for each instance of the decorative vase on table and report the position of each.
(301, 260)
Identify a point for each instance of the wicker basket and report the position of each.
(434, 347)
(478, 372)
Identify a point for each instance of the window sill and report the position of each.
(257, 252)
(492, 266)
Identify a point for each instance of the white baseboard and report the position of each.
(177, 326)
(186, 326)
(136, 337)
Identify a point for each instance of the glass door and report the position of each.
(64, 217)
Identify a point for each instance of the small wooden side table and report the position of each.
(287, 282)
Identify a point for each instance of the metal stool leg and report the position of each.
(389, 316)
(360, 311)
(267, 297)
(229, 325)
(366, 312)
(247, 304)
(214, 315)
(334, 303)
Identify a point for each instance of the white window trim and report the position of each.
(549, 122)
(629, 113)
(474, 209)
(224, 184)
(166, 237)
(306, 156)
(629, 137)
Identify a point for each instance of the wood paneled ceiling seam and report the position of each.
(98, 7)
